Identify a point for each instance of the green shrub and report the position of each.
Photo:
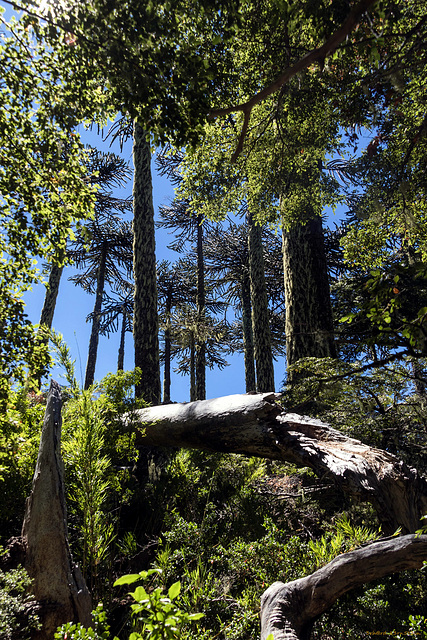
(17, 621)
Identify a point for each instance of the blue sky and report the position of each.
(73, 305)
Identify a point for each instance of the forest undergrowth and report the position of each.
(221, 527)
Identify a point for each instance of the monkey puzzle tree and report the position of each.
(106, 171)
(188, 328)
(188, 228)
(227, 258)
(175, 288)
(108, 258)
(116, 311)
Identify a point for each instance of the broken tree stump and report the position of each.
(58, 584)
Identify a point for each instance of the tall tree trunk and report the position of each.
(167, 337)
(192, 368)
(121, 356)
(145, 324)
(51, 296)
(94, 335)
(260, 318)
(46, 317)
(200, 342)
(248, 337)
(309, 323)
(58, 584)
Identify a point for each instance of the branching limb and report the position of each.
(314, 56)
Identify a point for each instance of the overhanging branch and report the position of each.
(316, 55)
(256, 425)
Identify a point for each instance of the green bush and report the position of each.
(17, 621)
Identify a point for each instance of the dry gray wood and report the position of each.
(255, 425)
(58, 584)
(288, 611)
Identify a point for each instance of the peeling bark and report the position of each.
(256, 425)
(288, 611)
(58, 584)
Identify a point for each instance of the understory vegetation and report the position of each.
(224, 527)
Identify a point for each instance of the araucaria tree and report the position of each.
(104, 251)
(261, 95)
(145, 320)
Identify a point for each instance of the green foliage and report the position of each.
(343, 538)
(89, 484)
(394, 414)
(19, 442)
(155, 615)
(99, 631)
(63, 359)
(17, 620)
(42, 182)
(99, 453)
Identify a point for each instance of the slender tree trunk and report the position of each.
(167, 336)
(200, 342)
(248, 337)
(260, 318)
(94, 335)
(145, 324)
(121, 357)
(192, 368)
(46, 317)
(51, 296)
(309, 323)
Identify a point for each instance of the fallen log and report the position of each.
(288, 611)
(256, 425)
(58, 585)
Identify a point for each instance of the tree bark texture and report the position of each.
(94, 334)
(256, 425)
(145, 324)
(200, 341)
(167, 339)
(193, 388)
(260, 318)
(58, 584)
(309, 323)
(288, 611)
(121, 354)
(51, 296)
(248, 336)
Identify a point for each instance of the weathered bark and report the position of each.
(248, 336)
(58, 584)
(96, 320)
(200, 342)
(256, 425)
(145, 325)
(288, 611)
(51, 296)
(260, 319)
(309, 323)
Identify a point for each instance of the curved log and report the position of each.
(58, 585)
(288, 611)
(256, 425)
